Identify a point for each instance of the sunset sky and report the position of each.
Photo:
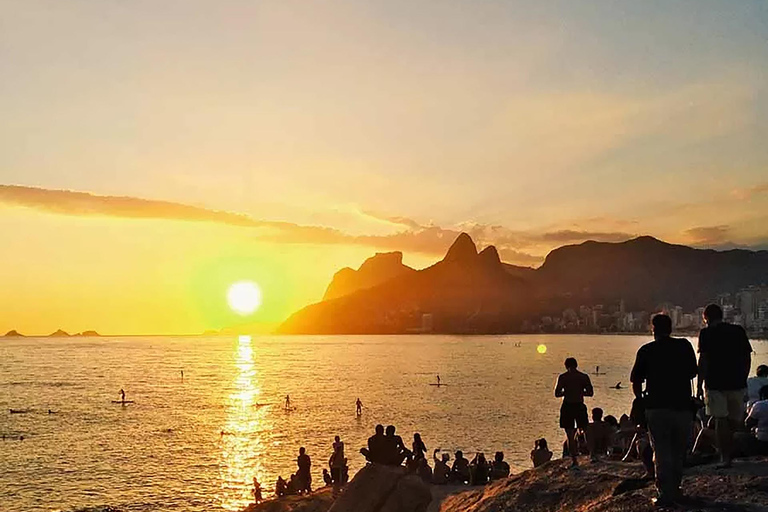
(154, 152)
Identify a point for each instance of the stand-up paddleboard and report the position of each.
(123, 402)
(438, 385)
(18, 411)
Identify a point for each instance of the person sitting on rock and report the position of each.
(599, 435)
(478, 470)
(541, 453)
(281, 487)
(376, 450)
(395, 450)
(706, 440)
(442, 471)
(423, 470)
(460, 469)
(757, 421)
(327, 478)
(499, 467)
(419, 448)
(756, 383)
(293, 486)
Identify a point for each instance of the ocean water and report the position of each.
(167, 452)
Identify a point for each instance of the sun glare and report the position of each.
(244, 297)
(541, 349)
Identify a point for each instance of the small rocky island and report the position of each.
(13, 333)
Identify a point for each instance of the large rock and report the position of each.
(379, 488)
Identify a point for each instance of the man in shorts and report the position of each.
(573, 386)
(725, 358)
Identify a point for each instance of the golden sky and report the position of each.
(154, 152)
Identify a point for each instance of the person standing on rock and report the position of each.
(573, 386)
(725, 358)
(666, 366)
(304, 475)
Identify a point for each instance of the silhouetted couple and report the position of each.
(666, 366)
(386, 448)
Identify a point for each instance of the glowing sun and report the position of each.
(244, 297)
(541, 349)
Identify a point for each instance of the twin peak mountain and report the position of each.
(471, 292)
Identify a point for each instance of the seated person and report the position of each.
(499, 467)
(599, 435)
(281, 487)
(442, 471)
(460, 469)
(394, 449)
(540, 453)
(327, 478)
(754, 384)
(706, 441)
(478, 470)
(423, 470)
(375, 452)
(757, 421)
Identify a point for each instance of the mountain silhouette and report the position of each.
(645, 272)
(467, 292)
(375, 270)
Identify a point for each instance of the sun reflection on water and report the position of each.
(242, 438)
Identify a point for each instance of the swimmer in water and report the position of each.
(287, 402)
(359, 407)
(182, 375)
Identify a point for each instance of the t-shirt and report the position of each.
(574, 385)
(728, 352)
(759, 412)
(754, 385)
(667, 367)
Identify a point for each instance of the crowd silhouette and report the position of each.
(668, 423)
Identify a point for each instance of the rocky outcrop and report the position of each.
(89, 334)
(615, 487)
(606, 486)
(379, 488)
(58, 334)
(13, 334)
(374, 271)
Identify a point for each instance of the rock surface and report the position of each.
(605, 486)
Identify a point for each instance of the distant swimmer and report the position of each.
(359, 406)
(618, 385)
(287, 402)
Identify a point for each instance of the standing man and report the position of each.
(666, 366)
(573, 386)
(725, 358)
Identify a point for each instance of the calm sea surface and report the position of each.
(166, 451)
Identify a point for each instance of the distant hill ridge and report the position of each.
(471, 292)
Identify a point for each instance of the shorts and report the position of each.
(573, 415)
(725, 404)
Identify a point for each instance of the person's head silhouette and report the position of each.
(380, 430)
(571, 363)
(713, 314)
(302, 450)
(390, 430)
(662, 326)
